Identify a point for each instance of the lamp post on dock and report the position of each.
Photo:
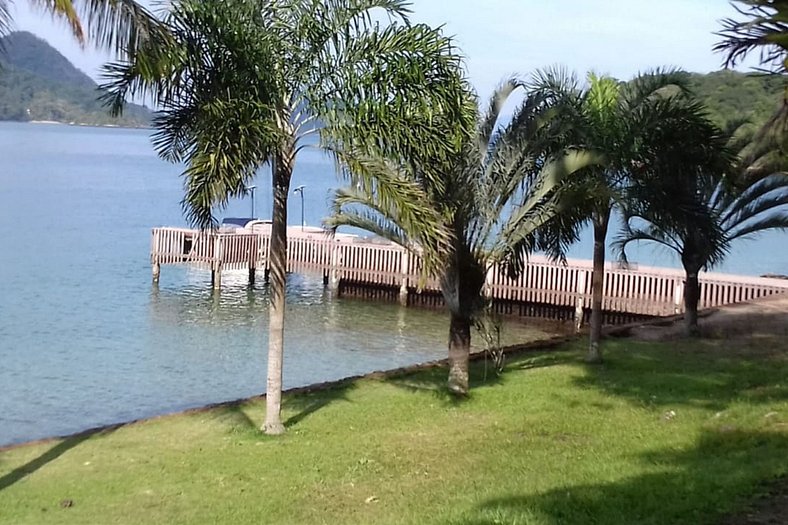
(300, 190)
(251, 189)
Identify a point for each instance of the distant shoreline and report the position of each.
(76, 124)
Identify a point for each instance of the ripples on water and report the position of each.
(193, 347)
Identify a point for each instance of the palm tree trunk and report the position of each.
(281, 172)
(600, 222)
(691, 299)
(459, 352)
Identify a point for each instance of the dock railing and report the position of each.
(639, 290)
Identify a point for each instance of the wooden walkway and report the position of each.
(356, 265)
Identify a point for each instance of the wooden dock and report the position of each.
(358, 266)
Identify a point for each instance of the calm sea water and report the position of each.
(85, 339)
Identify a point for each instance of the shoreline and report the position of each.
(76, 124)
(538, 345)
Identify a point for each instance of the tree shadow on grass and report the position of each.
(51, 454)
(482, 373)
(702, 374)
(303, 402)
(236, 415)
(307, 403)
(720, 475)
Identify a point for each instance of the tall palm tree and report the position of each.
(626, 122)
(503, 194)
(699, 217)
(120, 26)
(245, 83)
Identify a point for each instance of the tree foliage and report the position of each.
(244, 83)
(507, 191)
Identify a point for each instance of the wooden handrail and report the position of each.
(641, 290)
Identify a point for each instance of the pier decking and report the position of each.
(354, 265)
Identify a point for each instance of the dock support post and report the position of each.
(216, 277)
(333, 277)
(678, 297)
(156, 271)
(580, 289)
(252, 275)
(216, 270)
(403, 293)
(403, 288)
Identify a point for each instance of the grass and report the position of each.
(662, 433)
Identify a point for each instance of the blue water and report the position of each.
(85, 339)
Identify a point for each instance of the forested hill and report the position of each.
(38, 83)
(733, 96)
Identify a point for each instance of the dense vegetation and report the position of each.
(731, 96)
(38, 83)
(679, 432)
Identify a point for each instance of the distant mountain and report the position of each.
(37, 83)
(731, 96)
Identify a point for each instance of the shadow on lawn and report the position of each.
(60, 448)
(705, 374)
(433, 380)
(719, 476)
(482, 373)
(307, 403)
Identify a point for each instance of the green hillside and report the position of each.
(731, 96)
(38, 83)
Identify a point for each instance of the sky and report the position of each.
(504, 37)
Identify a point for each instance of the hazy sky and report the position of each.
(502, 37)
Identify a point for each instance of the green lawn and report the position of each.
(551, 441)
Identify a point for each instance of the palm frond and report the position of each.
(490, 119)
(654, 83)
(367, 217)
(542, 203)
(381, 185)
(764, 28)
(66, 10)
(649, 234)
(6, 22)
(373, 100)
(736, 207)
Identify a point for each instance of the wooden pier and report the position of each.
(361, 267)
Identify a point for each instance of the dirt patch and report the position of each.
(769, 509)
(766, 317)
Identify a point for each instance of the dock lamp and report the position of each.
(251, 189)
(300, 190)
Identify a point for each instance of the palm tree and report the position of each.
(699, 218)
(503, 194)
(247, 83)
(120, 26)
(764, 29)
(626, 123)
